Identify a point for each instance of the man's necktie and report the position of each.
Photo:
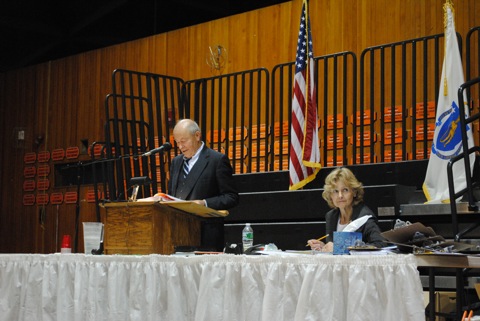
(185, 166)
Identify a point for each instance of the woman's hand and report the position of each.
(328, 247)
(320, 246)
(316, 244)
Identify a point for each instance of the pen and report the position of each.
(321, 238)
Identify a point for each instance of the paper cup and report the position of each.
(92, 236)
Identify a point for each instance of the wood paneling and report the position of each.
(63, 100)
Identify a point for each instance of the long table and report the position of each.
(452, 261)
(209, 287)
(448, 260)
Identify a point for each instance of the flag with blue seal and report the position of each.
(447, 138)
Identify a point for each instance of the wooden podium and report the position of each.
(149, 227)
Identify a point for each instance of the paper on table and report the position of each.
(284, 253)
(160, 197)
(355, 225)
(378, 252)
(186, 206)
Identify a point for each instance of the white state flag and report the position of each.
(447, 138)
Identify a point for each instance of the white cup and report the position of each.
(92, 236)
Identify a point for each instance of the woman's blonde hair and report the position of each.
(346, 176)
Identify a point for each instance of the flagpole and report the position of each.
(307, 75)
(448, 4)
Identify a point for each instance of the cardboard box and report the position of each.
(445, 302)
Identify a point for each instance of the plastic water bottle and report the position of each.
(247, 237)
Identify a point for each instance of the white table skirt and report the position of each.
(209, 287)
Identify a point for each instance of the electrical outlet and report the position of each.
(19, 137)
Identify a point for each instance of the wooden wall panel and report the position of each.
(174, 57)
(63, 100)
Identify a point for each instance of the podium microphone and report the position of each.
(164, 148)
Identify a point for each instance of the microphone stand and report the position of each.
(80, 166)
(77, 207)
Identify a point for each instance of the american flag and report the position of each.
(304, 147)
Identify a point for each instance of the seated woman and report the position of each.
(344, 194)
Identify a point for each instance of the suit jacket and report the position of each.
(209, 179)
(371, 233)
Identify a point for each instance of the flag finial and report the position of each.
(448, 5)
(447, 11)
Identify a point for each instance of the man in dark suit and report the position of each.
(203, 176)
